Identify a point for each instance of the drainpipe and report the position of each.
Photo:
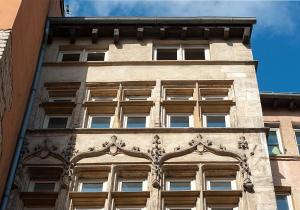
(25, 122)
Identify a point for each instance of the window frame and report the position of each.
(81, 181)
(289, 199)
(86, 52)
(144, 184)
(61, 53)
(90, 117)
(189, 115)
(47, 119)
(226, 115)
(206, 51)
(125, 119)
(231, 180)
(297, 130)
(129, 208)
(88, 208)
(280, 144)
(222, 97)
(168, 184)
(181, 207)
(61, 99)
(177, 47)
(211, 207)
(32, 184)
(147, 98)
(168, 98)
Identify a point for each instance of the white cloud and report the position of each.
(279, 17)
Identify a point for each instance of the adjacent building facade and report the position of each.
(146, 113)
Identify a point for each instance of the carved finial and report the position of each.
(113, 138)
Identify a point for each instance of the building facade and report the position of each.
(21, 34)
(146, 113)
(282, 115)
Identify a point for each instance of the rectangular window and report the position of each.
(103, 98)
(136, 98)
(222, 207)
(166, 53)
(221, 184)
(284, 202)
(56, 121)
(131, 208)
(180, 185)
(103, 121)
(274, 142)
(297, 135)
(179, 120)
(95, 56)
(61, 99)
(91, 186)
(214, 98)
(194, 54)
(179, 98)
(132, 186)
(42, 186)
(88, 208)
(216, 120)
(136, 121)
(69, 56)
(181, 208)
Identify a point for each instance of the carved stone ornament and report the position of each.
(243, 143)
(157, 155)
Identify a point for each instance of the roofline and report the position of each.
(280, 95)
(205, 20)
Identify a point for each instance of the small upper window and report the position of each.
(61, 99)
(135, 121)
(91, 187)
(221, 184)
(70, 56)
(100, 121)
(223, 207)
(95, 56)
(274, 142)
(179, 98)
(194, 54)
(166, 54)
(215, 120)
(136, 98)
(214, 98)
(131, 186)
(56, 122)
(297, 134)
(179, 120)
(179, 185)
(40, 186)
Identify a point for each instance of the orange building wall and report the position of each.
(26, 19)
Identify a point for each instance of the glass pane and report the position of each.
(179, 121)
(282, 202)
(132, 186)
(220, 185)
(272, 138)
(100, 122)
(221, 208)
(215, 121)
(166, 54)
(92, 187)
(57, 122)
(71, 57)
(179, 98)
(176, 186)
(274, 150)
(102, 98)
(136, 122)
(44, 187)
(95, 56)
(194, 54)
(298, 137)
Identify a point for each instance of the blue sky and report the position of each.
(275, 38)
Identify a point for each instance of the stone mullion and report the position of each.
(157, 104)
(200, 182)
(197, 111)
(111, 180)
(78, 113)
(117, 115)
(155, 196)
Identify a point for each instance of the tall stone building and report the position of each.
(22, 24)
(146, 113)
(282, 115)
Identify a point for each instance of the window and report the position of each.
(61, 99)
(136, 121)
(223, 207)
(221, 184)
(214, 98)
(284, 202)
(180, 208)
(274, 142)
(179, 120)
(131, 208)
(180, 185)
(297, 135)
(89, 208)
(100, 121)
(179, 98)
(136, 98)
(103, 98)
(216, 120)
(69, 56)
(43, 186)
(181, 52)
(92, 186)
(132, 186)
(56, 121)
(95, 56)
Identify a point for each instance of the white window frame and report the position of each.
(88, 208)
(137, 98)
(64, 99)
(181, 207)
(61, 53)
(289, 199)
(207, 97)
(130, 208)
(144, 183)
(226, 115)
(206, 50)
(231, 180)
(125, 119)
(47, 118)
(297, 130)
(222, 206)
(280, 145)
(32, 185)
(86, 52)
(177, 47)
(190, 115)
(169, 98)
(104, 184)
(191, 181)
(89, 124)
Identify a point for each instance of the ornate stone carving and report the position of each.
(243, 143)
